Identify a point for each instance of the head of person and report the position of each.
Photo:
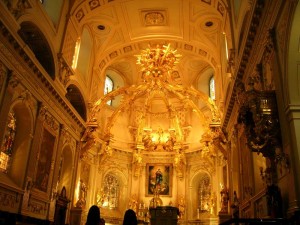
(130, 218)
(93, 217)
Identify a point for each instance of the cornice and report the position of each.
(253, 49)
(45, 84)
(244, 57)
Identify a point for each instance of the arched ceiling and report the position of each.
(121, 29)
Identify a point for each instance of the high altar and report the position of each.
(163, 162)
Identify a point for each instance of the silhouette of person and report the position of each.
(93, 217)
(130, 218)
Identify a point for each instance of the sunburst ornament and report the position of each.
(158, 62)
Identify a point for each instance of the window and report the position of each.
(108, 87)
(226, 46)
(212, 93)
(205, 201)
(109, 195)
(76, 54)
(7, 146)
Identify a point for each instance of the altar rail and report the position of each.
(247, 221)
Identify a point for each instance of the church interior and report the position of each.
(185, 107)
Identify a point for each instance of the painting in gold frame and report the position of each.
(159, 177)
(45, 159)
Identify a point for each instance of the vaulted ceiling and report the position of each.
(121, 29)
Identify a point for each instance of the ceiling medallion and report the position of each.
(154, 18)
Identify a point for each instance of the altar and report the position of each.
(166, 215)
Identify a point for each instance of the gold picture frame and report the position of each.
(159, 178)
(45, 159)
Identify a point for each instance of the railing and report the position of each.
(245, 221)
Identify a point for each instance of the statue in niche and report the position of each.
(82, 195)
(181, 206)
(10, 134)
(137, 162)
(26, 195)
(160, 133)
(224, 200)
(179, 162)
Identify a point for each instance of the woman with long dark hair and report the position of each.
(93, 217)
(130, 218)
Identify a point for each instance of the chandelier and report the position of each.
(159, 88)
(158, 63)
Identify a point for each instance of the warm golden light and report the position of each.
(158, 62)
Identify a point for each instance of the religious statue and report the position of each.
(170, 142)
(133, 203)
(10, 136)
(224, 199)
(82, 195)
(137, 162)
(181, 206)
(88, 140)
(179, 162)
(235, 206)
(156, 200)
(147, 140)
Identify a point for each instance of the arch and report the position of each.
(123, 182)
(201, 52)
(21, 148)
(207, 205)
(38, 43)
(65, 170)
(119, 173)
(76, 99)
(203, 80)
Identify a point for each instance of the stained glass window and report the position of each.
(108, 87)
(108, 197)
(7, 145)
(212, 93)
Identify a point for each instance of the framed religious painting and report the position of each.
(45, 160)
(159, 179)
